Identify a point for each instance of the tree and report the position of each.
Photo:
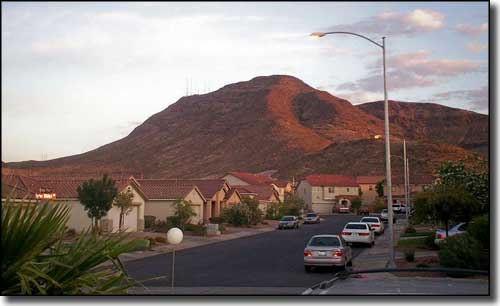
(293, 205)
(445, 204)
(380, 188)
(123, 201)
(183, 212)
(356, 204)
(474, 178)
(255, 214)
(36, 260)
(97, 198)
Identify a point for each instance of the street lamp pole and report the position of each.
(391, 263)
(406, 177)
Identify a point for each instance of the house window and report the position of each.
(330, 189)
(347, 189)
(370, 187)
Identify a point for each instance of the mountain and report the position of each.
(272, 123)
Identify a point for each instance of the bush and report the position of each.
(273, 212)
(196, 229)
(183, 212)
(480, 230)
(222, 228)
(217, 220)
(422, 265)
(429, 242)
(410, 230)
(142, 244)
(149, 221)
(237, 215)
(160, 239)
(380, 204)
(410, 256)
(460, 251)
(172, 221)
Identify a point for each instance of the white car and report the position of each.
(311, 218)
(357, 232)
(456, 229)
(384, 216)
(374, 223)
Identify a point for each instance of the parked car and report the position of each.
(343, 210)
(456, 229)
(364, 211)
(374, 223)
(327, 250)
(396, 208)
(311, 218)
(384, 216)
(289, 222)
(355, 232)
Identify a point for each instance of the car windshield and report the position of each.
(325, 241)
(370, 220)
(356, 226)
(311, 215)
(287, 219)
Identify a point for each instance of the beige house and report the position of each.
(64, 188)
(418, 183)
(265, 194)
(368, 186)
(246, 178)
(161, 196)
(325, 194)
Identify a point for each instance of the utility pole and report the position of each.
(405, 160)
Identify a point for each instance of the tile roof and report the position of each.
(252, 179)
(331, 180)
(230, 193)
(261, 192)
(373, 179)
(414, 179)
(163, 189)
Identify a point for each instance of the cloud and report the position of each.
(471, 30)
(361, 97)
(410, 70)
(395, 23)
(476, 98)
(476, 47)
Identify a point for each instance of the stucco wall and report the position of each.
(304, 192)
(162, 209)
(369, 196)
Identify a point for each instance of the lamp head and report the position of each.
(317, 34)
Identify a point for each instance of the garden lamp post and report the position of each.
(174, 236)
(391, 263)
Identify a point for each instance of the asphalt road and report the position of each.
(272, 259)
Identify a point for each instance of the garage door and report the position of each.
(322, 209)
(197, 210)
(130, 220)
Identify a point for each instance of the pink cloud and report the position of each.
(476, 98)
(471, 30)
(476, 47)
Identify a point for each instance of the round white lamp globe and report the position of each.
(174, 236)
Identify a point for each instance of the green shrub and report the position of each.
(172, 221)
(196, 229)
(222, 228)
(410, 256)
(273, 211)
(410, 230)
(160, 227)
(460, 251)
(217, 220)
(142, 244)
(480, 230)
(149, 221)
(429, 241)
(237, 215)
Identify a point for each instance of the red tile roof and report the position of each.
(331, 180)
(160, 189)
(230, 193)
(252, 179)
(374, 179)
(261, 192)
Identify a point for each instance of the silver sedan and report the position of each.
(327, 250)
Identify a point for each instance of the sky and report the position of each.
(76, 76)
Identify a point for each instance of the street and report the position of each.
(273, 259)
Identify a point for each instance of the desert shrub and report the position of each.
(410, 256)
(460, 251)
(172, 221)
(273, 211)
(410, 230)
(222, 228)
(149, 221)
(160, 239)
(196, 229)
(183, 212)
(356, 204)
(293, 205)
(237, 215)
(143, 244)
(160, 227)
(480, 230)
(217, 220)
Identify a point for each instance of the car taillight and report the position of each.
(308, 253)
(363, 234)
(337, 253)
(439, 236)
(374, 225)
(346, 233)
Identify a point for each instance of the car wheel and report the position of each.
(307, 268)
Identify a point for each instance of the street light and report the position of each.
(391, 263)
(174, 236)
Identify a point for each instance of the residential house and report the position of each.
(246, 178)
(265, 194)
(325, 193)
(24, 189)
(418, 183)
(232, 197)
(368, 186)
(162, 194)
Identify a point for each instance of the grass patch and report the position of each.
(417, 242)
(416, 234)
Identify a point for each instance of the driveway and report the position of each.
(273, 259)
